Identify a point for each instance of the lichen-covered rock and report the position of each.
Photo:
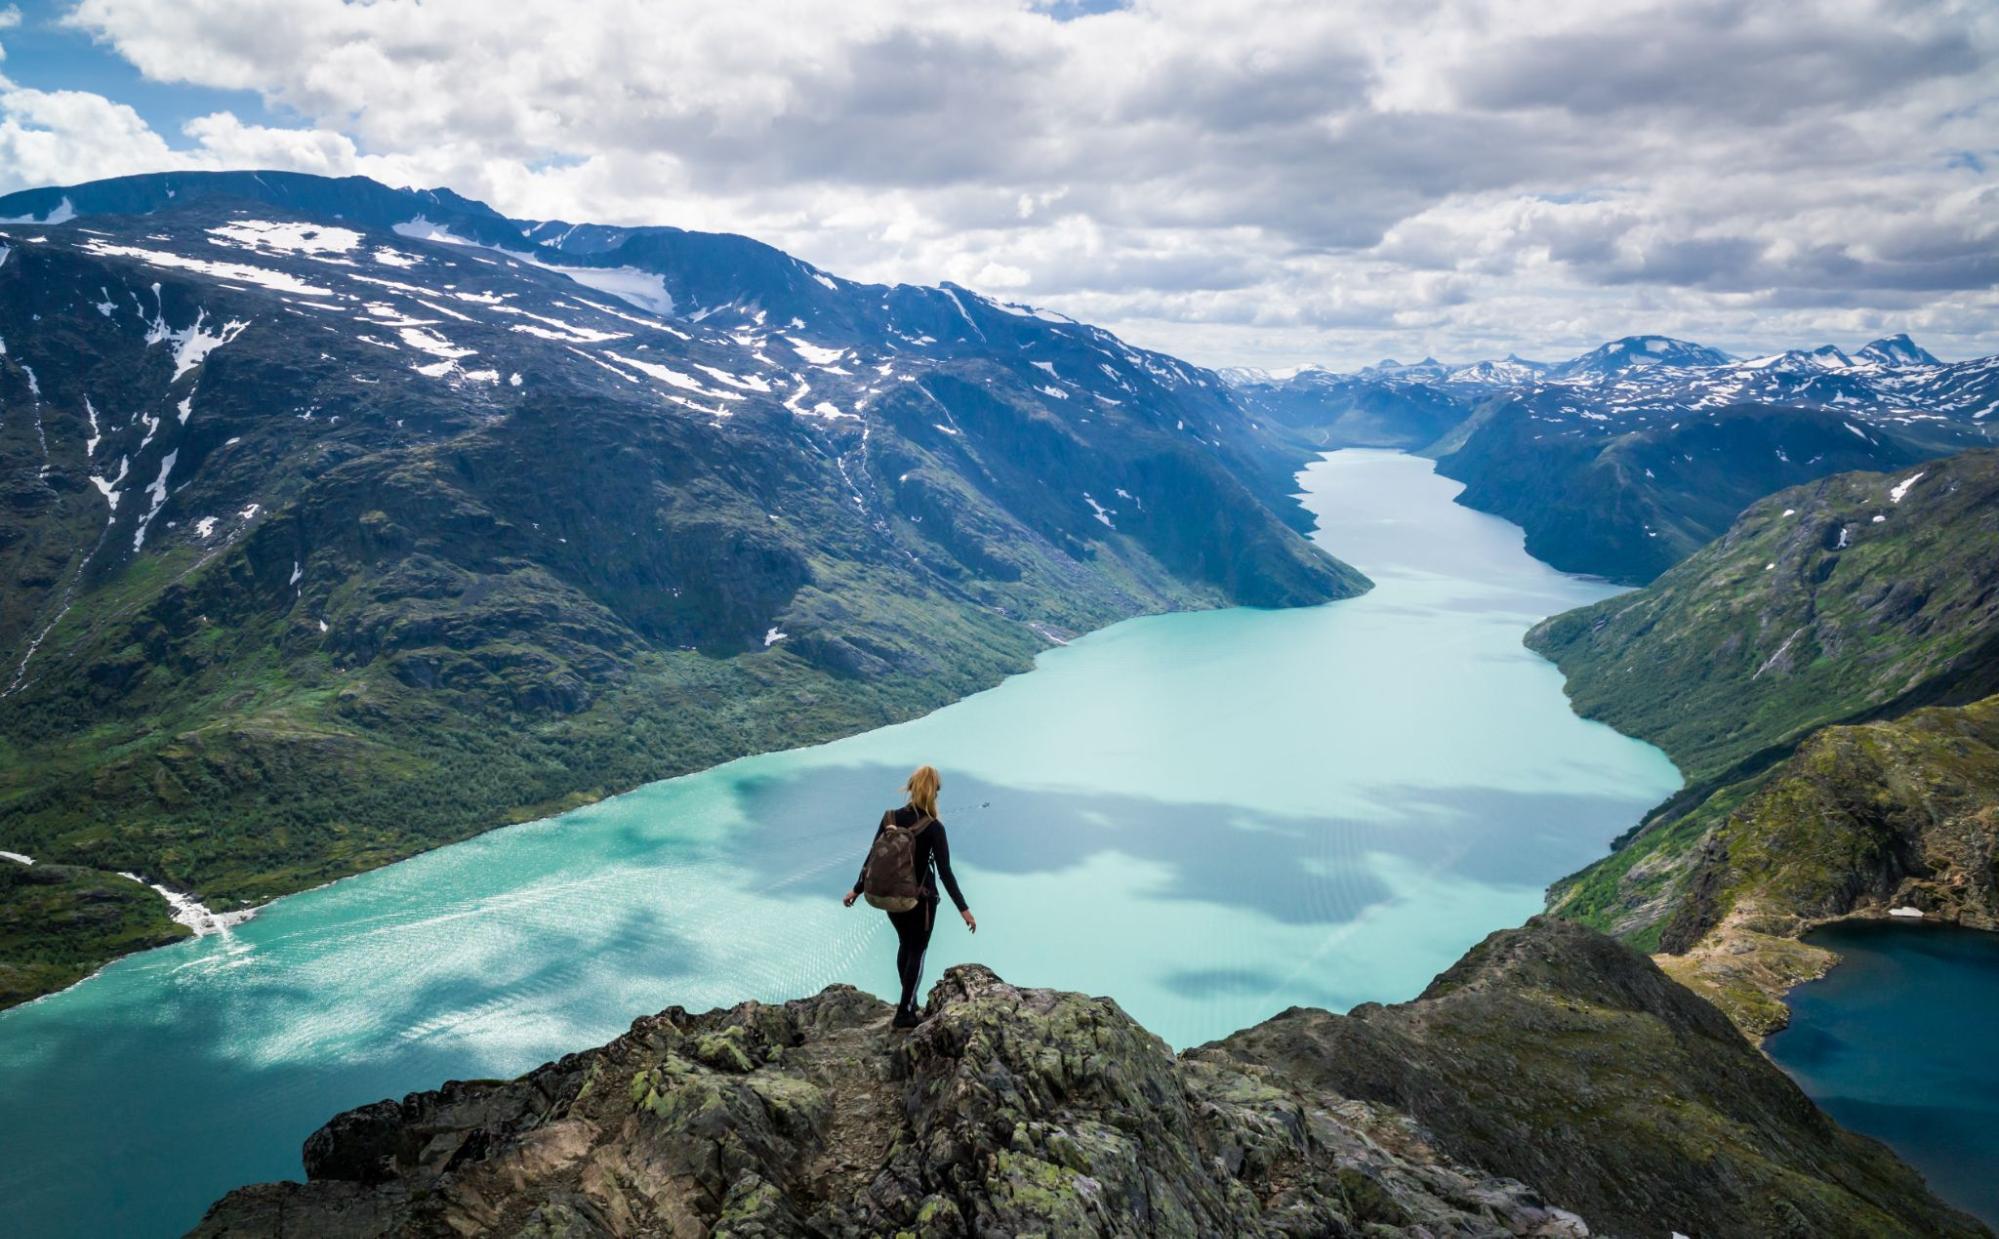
(1550, 1055)
(1561, 1057)
(1008, 1112)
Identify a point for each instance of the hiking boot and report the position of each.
(905, 1019)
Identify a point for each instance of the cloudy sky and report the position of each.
(1242, 183)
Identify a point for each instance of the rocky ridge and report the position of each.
(1016, 1111)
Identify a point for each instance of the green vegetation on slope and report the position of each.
(1900, 813)
(1829, 602)
(1786, 668)
(58, 923)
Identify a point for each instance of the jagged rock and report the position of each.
(1009, 1112)
(1556, 1055)
(1016, 1111)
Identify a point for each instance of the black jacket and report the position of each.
(933, 855)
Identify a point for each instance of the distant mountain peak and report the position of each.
(1639, 352)
(1897, 350)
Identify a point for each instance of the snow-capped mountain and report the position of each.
(1897, 350)
(1639, 379)
(1624, 459)
(1639, 353)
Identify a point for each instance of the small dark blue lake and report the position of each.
(1901, 1042)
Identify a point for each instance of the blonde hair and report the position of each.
(922, 788)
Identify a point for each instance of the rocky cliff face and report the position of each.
(1549, 1051)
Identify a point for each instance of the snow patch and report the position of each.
(1902, 487)
(64, 212)
(158, 491)
(432, 343)
(263, 277)
(774, 636)
(816, 354)
(285, 238)
(193, 343)
(109, 487)
(17, 858)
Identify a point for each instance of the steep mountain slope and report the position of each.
(1627, 504)
(1784, 668)
(339, 521)
(1856, 595)
(1019, 1111)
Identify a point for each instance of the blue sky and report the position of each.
(46, 54)
(1265, 182)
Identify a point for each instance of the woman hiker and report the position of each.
(909, 853)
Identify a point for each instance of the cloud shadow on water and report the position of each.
(1300, 869)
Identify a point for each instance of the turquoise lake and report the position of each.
(1209, 816)
(1897, 1043)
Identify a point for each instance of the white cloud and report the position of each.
(1277, 183)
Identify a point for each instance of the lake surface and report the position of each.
(1209, 816)
(1898, 1042)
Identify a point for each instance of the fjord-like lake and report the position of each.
(1896, 1042)
(1209, 816)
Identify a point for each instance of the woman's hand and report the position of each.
(848, 902)
(971, 922)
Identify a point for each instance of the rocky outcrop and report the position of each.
(1017, 1111)
(1557, 1056)
(1893, 818)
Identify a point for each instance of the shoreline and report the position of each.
(1729, 957)
(185, 904)
(1051, 637)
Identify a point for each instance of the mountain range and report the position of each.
(1622, 461)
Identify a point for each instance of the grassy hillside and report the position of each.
(1829, 602)
(1823, 674)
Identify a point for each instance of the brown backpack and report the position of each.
(889, 881)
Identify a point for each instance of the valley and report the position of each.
(341, 525)
(1088, 803)
(1624, 460)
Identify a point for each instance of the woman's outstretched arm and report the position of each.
(940, 851)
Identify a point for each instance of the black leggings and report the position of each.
(912, 935)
